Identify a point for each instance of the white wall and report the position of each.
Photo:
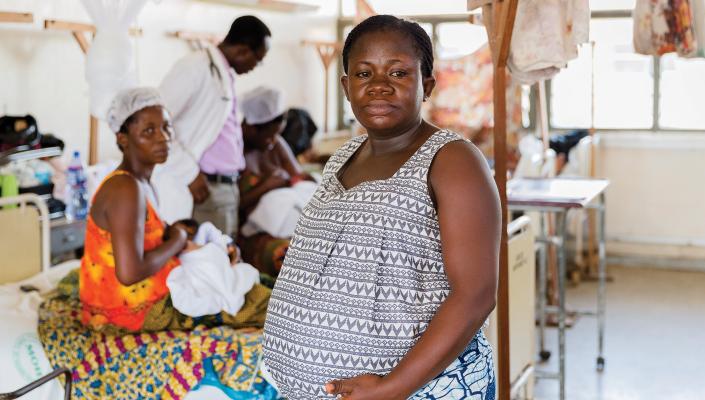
(656, 199)
(42, 71)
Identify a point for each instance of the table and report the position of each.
(66, 237)
(558, 195)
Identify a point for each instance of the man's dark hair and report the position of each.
(248, 30)
(419, 37)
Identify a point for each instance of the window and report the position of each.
(682, 90)
(409, 7)
(570, 93)
(623, 82)
(602, 5)
(457, 39)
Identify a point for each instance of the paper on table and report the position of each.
(555, 190)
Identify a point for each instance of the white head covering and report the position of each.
(128, 102)
(262, 105)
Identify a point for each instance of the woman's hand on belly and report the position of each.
(362, 387)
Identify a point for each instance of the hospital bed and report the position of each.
(24, 255)
(522, 297)
(25, 276)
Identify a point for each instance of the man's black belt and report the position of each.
(216, 178)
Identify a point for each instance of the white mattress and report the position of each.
(22, 358)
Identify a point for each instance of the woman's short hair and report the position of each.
(420, 39)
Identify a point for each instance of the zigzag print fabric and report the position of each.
(362, 278)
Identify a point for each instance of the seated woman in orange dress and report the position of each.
(122, 281)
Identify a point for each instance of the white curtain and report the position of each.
(110, 62)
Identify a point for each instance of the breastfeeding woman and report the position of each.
(269, 165)
(122, 282)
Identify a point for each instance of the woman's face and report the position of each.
(384, 84)
(148, 136)
(263, 137)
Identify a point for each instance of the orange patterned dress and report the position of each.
(104, 299)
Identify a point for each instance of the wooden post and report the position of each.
(363, 10)
(327, 51)
(500, 28)
(82, 41)
(93, 141)
(542, 120)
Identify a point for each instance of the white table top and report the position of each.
(554, 192)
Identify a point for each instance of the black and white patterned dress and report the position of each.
(362, 278)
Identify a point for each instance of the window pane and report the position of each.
(623, 82)
(682, 93)
(457, 39)
(409, 7)
(624, 87)
(612, 4)
(570, 93)
(525, 105)
(412, 7)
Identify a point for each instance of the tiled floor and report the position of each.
(654, 343)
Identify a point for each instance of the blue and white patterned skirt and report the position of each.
(469, 377)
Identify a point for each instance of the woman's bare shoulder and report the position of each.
(117, 192)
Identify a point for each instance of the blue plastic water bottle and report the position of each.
(77, 195)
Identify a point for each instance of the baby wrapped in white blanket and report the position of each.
(206, 282)
(278, 210)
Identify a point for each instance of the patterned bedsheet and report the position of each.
(161, 365)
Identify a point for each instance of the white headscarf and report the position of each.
(262, 104)
(128, 102)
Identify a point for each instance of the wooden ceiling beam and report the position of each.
(16, 17)
(55, 24)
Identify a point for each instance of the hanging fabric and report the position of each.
(462, 101)
(664, 26)
(110, 62)
(540, 50)
(546, 36)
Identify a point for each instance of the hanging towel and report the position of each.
(545, 36)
